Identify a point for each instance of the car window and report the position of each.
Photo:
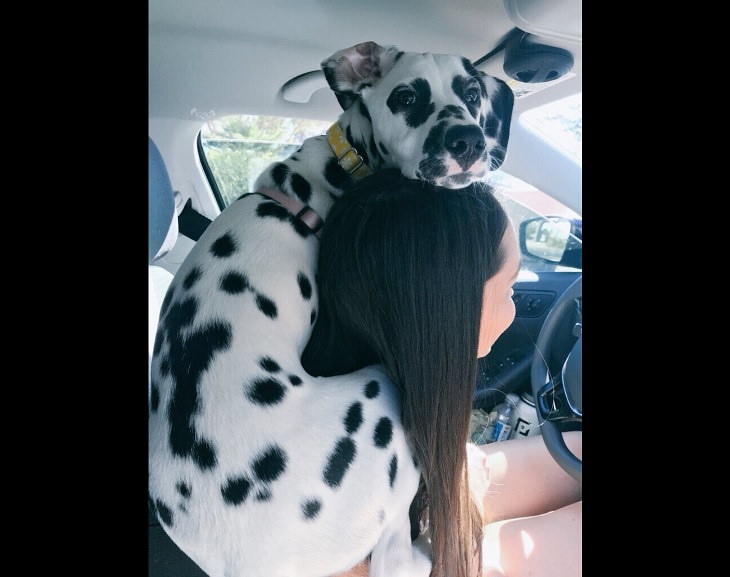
(560, 123)
(236, 149)
(524, 202)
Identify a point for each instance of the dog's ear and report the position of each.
(502, 100)
(350, 70)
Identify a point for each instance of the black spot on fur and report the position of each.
(450, 111)
(364, 112)
(266, 391)
(204, 455)
(301, 187)
(339, 461)
(181, 315)
(236, 490)
(159, 340)
(263, 495)
(224, 246)
(274, 210)
(192, 277)
(279, 172)
(384, 152)
(432, 166)
(311, 508)
(497, 157)
(470, 68)
(234, 283)
(269, 365)
(434, 142)
(335, 174)
(353, 419)
(471, 90)
(300, 227)
(502, 104)
(490, 125)
(165, 366)
(164, 513)
(190, 357)
(383, 432)
(393, 470)
(154, 397)
(412, 101)
(266, 306)
(295, 380)
(270, 464)
(183, 488)
(305, 286)
(372, 147)
(372, 389)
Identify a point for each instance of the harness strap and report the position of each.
(300, 210)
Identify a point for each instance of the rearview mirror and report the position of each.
(553, 239)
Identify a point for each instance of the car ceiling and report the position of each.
(219, 57)
(234, 56)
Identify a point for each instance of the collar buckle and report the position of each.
(350, 164)
(347, 156)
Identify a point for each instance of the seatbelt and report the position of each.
(190, 222)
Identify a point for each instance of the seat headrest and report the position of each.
(162, 217)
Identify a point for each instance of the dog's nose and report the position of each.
(465, 144)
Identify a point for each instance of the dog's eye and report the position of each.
(472, 95)
(406, 98)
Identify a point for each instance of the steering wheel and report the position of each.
(559, 398)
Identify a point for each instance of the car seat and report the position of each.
(165, 559)
(163, 230)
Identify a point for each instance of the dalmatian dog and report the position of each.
(256, 468)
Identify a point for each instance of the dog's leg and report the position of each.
(396, 556)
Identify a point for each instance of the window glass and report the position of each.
(238, 148)
(561, 123)
(524, 202)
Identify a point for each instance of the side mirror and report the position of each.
(553, 239)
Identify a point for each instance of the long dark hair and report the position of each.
(401, 273)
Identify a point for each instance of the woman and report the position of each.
(419, 278)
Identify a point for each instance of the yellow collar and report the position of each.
(348, 158)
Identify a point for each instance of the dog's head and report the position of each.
(433, 116)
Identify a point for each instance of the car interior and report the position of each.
(219, 70)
